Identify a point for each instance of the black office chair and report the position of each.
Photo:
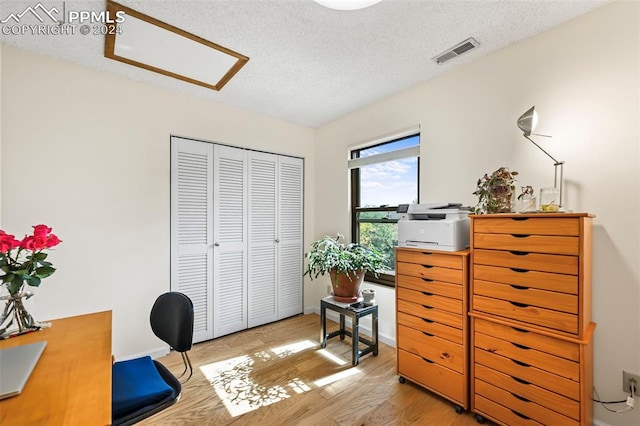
(142, 387)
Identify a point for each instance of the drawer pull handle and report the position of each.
(427, 266)
(428, 360)
(519, 287)
(520, 415)
(520, 219)
(429, 280)
(427, 334)
(427, 320)
(519, 253)
(521, 398)
(520, 235)
(427, 307)
(521, 330)
(520, 271)
(425, 253)
(426, 293)
(521, 346)
(524, 382)
(520, 363)
(519, 305)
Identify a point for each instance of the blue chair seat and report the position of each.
(138, 386)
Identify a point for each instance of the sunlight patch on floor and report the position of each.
(236, 381)
(331, 357)
(293, 348)
(337, 376)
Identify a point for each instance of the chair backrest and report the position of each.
(172, 320)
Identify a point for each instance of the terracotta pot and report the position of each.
(346, 288)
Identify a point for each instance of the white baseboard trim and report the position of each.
(335, 317)
(599, 423)
(153, 353)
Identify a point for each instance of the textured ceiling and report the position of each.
(309, 64)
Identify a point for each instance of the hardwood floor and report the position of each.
(277, 375)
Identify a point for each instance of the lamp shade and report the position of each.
(528, 121)
(347, 4)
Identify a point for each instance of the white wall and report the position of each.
(88, 153)
(584, 78)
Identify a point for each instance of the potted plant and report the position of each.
(495, 192)
(346, 265)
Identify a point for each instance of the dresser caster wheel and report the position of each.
(459, 409)
(402, 379)
(479, 419)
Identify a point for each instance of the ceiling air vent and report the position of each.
(456, 50)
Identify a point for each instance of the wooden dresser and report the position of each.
(531, 329)
(432, 323)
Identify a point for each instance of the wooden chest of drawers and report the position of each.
(530, 308)
(432, 322)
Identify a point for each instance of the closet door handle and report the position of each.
(216, 244)
(277, 240)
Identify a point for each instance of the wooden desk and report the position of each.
(71, 384)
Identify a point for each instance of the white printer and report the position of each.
(442, 226)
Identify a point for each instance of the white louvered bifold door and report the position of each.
(262, 302)
(290, 226)
(192, 229)
(230, 240)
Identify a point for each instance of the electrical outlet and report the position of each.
(626, 382)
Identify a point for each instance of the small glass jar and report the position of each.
(528, 203)
(549, 200)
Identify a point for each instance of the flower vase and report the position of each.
(15, 318)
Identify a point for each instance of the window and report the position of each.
(383, 175)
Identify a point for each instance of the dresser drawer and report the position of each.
(430, 314)
(435, 287)
(526, 355)
(430, 326)
(529, 374)
(436, 349)
(430, 258)
(527, 243)
(500, 413)
(533, 340)
(529, 314)
(527, 295)
(537, 226)
(430, 300)
(522, 407)
(435, 273)
(431, 375)
(542, 280)
(565, 406)
(528, 261)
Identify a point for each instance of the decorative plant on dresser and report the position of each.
(432, 323)
(532, 354)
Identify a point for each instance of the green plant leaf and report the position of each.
(34, 281)
(44, 271)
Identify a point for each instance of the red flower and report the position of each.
(7, 242)
(28, 243)
(52, 241)
(41, 230)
